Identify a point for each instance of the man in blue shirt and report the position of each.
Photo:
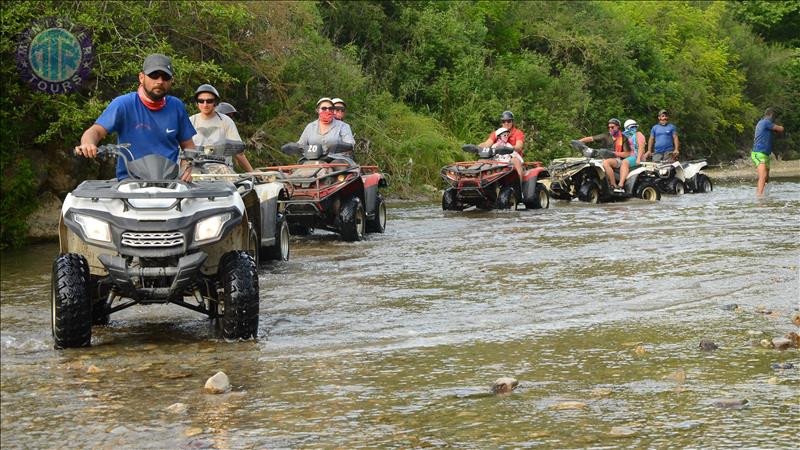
(665, 137)
(148, 119)
(762, 147)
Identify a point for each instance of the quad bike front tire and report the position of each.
(279, 251)
(352, 220)
(377, 224)
(589, 192)
(649, 192)
(449, 200)
(677, 187)
(239, 300)
(70, 305)
(703, 184)
(541, 198)
(507, 199)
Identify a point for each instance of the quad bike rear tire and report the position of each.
(70, 305)
(677, 187)
(239, 301)
(279, 251)
(507, 199)
(649, 192)
(449, 201)
(541, 198)
(377, 224)
(589, 192)
(254, 244)
(703, 184)
(352, 220)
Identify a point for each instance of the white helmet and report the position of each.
(500, 131)
(630, 123)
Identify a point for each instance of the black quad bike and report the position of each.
(585, 179)
(152, 238)
(261, 193)
(493, 183)
(330, 191)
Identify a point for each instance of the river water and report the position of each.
(597, 310)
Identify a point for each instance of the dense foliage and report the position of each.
(420, 77)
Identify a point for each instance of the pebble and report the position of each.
(796, 319)
(568, 405)
(504, 385)
(731, 403)
(781, 343)
(192, 431)
(766, 343)
(94, 369)
(640, 350)
(782, 366)
(795, 338)
(707, 345)
(621, 431)
(177, 408)
(218, 384)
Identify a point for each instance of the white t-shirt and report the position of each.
(214, 130)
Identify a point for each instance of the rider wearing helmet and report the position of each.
(615, 140)
(339, 111)
(213, 127)
(516, 139)
(637, 142)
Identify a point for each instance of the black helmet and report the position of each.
(207, 88)
(615, 122)
(507, 115)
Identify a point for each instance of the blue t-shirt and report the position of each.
(663, 137)
(763, 139)
(147, 131)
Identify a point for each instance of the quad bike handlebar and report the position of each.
(589, 152)
(313, 152)
(487, 152)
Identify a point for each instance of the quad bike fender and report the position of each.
(530, 178)
(269, 195)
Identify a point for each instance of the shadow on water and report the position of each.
(393, 342)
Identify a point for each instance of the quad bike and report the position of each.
(678, 178)
(585, 179)
(152, 238)
(261, 198)
(331, 191)
(489, 183)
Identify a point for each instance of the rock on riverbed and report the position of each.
(218, 384)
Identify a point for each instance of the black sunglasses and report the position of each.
(205, 100)
(158, 74)
(339, 108)
(326, 108)
(506, 121)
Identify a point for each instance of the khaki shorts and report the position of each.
(665, 157)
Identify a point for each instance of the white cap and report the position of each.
(500, 131)
(324, 99)
(630, 123)
(338, 100)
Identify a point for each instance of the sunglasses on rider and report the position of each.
(612, 127)
(506, 121)
(205, 100)
(339, 108)
(158, 74)
(326, 108)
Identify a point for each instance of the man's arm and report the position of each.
(777, 128)
(650, 143)
(91, 137)
(676, 143)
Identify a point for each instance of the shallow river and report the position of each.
(597, 310)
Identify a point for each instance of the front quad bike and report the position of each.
(490, 183)
(260, 191)
(151, 239)
(585, 179)
(330, 191)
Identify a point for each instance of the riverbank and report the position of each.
(744, 170)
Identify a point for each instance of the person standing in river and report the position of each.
(148, 119)
(762, 147)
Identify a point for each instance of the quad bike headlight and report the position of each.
(664, 172)
(94, 229)
(211, 227)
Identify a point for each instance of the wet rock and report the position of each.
(679, 376)
(766, 343)
(707, 345)
(730, 307)
(621, 431)
(217, 384)
(731, 403)
(192, 431)
(781, 343)
(568, 405)
(639, 350)
(177, 408)
(782, 366)
(761, 309)
(118, 430)
(94, 369)
(504, 385)
(794, 338)
(796, 318)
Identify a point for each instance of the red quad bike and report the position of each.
(491, 184)
(331, 191)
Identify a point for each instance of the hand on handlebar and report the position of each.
(86, 150)
(186, 174)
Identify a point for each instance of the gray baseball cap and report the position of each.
(156, 62)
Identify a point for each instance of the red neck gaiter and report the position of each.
(326, 117)
(150, 104)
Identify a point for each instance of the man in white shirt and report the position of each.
(213, 127)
